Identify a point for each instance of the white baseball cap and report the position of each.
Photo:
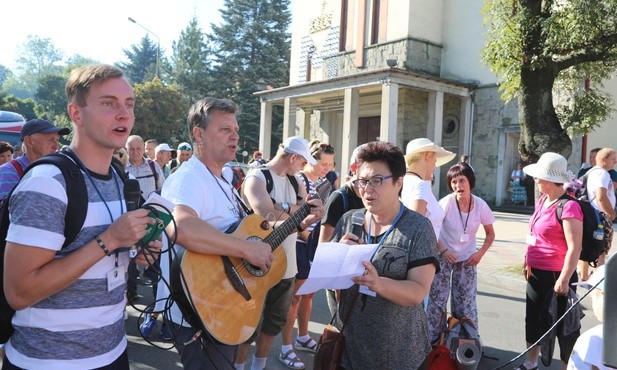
(164, 147)
(298, 145)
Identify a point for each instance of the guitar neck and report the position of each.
(287, 227)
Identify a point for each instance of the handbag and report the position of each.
(330, 347)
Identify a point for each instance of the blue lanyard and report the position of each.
(113, 174)
(369, 238)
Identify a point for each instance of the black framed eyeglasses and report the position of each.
(373, 181)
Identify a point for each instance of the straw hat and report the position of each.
(425, 145)
(551, 167)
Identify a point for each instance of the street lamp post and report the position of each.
(158, 43)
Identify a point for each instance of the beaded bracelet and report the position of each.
(102, 245)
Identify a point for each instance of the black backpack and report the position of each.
(73, 220)
(593, 229)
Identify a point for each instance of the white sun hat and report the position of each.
(425, 145)
(551, 167)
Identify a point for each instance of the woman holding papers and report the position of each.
(387, 328)
(458, 254)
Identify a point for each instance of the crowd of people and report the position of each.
(426, 249)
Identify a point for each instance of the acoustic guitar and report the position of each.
(225, 295)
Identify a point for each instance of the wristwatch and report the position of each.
(286, 208)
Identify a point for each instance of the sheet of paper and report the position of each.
(335, 264)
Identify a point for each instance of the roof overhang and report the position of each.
(367, 82)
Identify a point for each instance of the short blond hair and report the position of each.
(604, 154)
(414, 157)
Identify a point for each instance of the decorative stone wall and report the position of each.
(410, 54)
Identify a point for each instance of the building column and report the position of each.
(289, 118)
(389, 112)
(350, 129)
(265, 128)
(465, 128)
(305, 128)
(435, 126)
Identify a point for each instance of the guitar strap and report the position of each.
(246, 209)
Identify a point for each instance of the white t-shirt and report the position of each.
(453, 227)
(588, 351)
(599, 178)
(415, 188)
(193, 185)
(282, 191)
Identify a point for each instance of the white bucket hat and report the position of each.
(298, 145)
(425, 145)
(551, 167)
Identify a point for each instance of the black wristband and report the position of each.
(300, 229)
(102, 245)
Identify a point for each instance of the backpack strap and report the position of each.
(154, 171)
(306, 182)
(270, 182)
(562, 200)
(77, 201)
(119, 167)
(17, 165)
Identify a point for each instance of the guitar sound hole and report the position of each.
(252, 269)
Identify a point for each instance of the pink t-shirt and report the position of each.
(550, 250)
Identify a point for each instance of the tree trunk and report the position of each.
(541, 131)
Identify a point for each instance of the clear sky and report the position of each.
(99, 29)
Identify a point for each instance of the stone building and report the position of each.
(395, 70)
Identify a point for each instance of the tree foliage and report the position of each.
(36, 58)
(5, 74)
(160, 112)
(51, 102)
(191, 62)
(543, 52)
(251, 48)
(142, 58)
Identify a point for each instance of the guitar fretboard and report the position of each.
(291, 224)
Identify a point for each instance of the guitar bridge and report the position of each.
(235, 278)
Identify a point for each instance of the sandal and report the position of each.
(523, 367)
(291, 362)
(308, 346)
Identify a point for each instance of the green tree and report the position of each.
(142, 61)
(160, 111)
(37, 57)
(51, 100)
(251, 47)
(5, 73)
(25, 107)
(191, 62)
(538, 48)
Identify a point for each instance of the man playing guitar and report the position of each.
(205, 206)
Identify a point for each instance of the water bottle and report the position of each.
(598, 234)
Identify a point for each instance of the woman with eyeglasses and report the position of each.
(387, 325)
(458, 254)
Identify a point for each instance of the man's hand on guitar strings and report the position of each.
(259, 254)
(317, 211)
